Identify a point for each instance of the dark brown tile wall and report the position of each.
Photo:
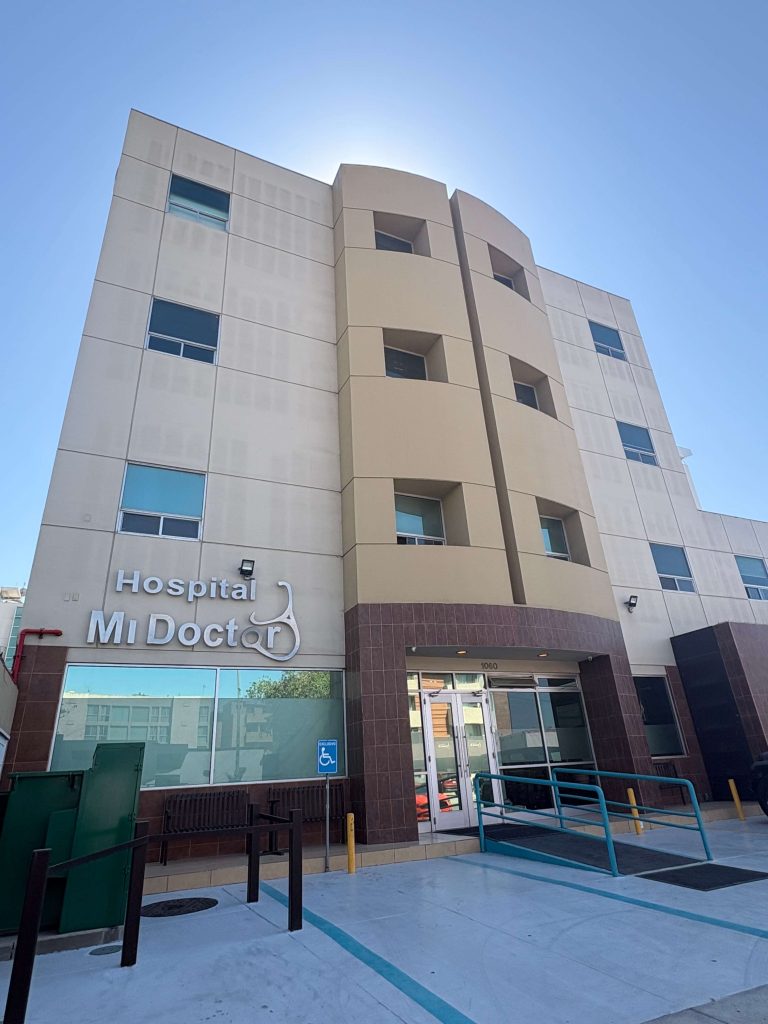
(378, 732)
(692, 766)
(744, 650)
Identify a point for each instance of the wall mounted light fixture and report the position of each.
(631, 602)
(246, 568)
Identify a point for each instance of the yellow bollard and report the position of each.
(736, 798)
(633, 810)
(351, 844)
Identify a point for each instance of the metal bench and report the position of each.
(209, 811)
(310, 799)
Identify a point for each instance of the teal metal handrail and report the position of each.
(686, 784)
(556, 785)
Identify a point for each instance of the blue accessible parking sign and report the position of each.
(327, 757)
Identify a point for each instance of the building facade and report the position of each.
(341, 461)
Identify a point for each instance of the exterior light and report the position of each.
(246, 568)
(631, 602)
(543, 654)
(461, 653)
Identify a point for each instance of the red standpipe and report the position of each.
(23, 634)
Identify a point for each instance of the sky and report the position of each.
(627, 139)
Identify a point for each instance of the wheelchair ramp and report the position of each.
(545, 844)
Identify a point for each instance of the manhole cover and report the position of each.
(104, 950)
(174, 908)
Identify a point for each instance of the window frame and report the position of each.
(532, 387)
(672, 577)
(505, 280)
(634, 454)
(417, 355)
(675, 718)
(183, 341)
(760, 588)
(420, 539)
(161, 515)
(388, 234)
(207, 220)
(602, 348)
(560, 556)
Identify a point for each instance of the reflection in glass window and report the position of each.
(638, 446)
(418, 520)
(268, 723)
(754, 576)
(399, 363)
(659, 720)
(183, 331)
(166, 502)
(565, 727)
(123, 699)
(392, 243)
(518, 728)
(526, 394)
(553, 535)
(672, 567)
(419, 758)
(206, 205)
(607, 340)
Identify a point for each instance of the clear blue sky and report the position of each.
(627, 139)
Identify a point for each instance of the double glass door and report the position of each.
(457, 743)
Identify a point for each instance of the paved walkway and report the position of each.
(481, 939)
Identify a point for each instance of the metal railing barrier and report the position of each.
(41, 869)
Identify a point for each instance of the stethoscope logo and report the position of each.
(273, 627)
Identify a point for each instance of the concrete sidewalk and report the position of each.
(478, 939)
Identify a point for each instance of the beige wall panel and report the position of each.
(67, 581)
(741, 535)
(203, 160)
(481, 220)
(118, 314)
(525, 516)
(285, 190)
(625, 317)
(653, 406)
(655, 506)
(760, 612)
(84, 491)
(173, 410)
(149, 139)
(280, 290)
(482, 512)
(593, 542)
(536, 292)
(190, 268)
(398, 290)
(353, 230)
(434, 431)
(540, 455)
(561, 291)
(597, 305)
(622, 391)
(142, 182)
(261, 223)
(568, 586)
(699, 529)
(100, 406)
(630, 562)
(363, 352)
(260, 515)
(443, 575)
(761, 532)
(597, 433)
(513, 325)
(130, 247)
(500, 378)
(635, 349)
(316, 580)
(560, 400)
(270, 430)
(460, 362)
(389, 191)
(727, 609)
(350, 578)
(647, 629)
(369, 511)
(716, 573)
(686, 612)
(346, 454)
(442, 242)
(583, 379)
(269, 352)
(666, 450)
(571, 328)
(478, 256)
(613, 496)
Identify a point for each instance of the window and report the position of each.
(392, 243)
(183, 331)
(164, 502)
(506, 281)
(754, 576)
(526, 393)
(555, 541)
(672, 567)
(198, 202)
(637, 443)
(508, 272)
(659, 719)
(418, 520)
(607, 341)
(267, 722)
(405, 364)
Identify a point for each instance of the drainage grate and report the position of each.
(174, 908)
(704, 877)
(104, 950)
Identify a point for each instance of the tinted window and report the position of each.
(199, 202)
(670, 561)
(526, 394)
(421, 517)
(163, 491)
(637, 443)
(658, 717)
(503, 279)
(752, 570)
(184, 322)
(607, 340)
(553, 533)
(404, 364)
(392, 243)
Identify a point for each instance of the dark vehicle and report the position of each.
(760, 781)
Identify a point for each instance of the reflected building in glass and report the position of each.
(342, 461)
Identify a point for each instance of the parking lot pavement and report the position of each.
(483, 939)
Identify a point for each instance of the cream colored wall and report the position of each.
(425, 437)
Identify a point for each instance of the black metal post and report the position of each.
(273, 847)
(26, 941)
(135, 893)
(295, 868)
(253, 847)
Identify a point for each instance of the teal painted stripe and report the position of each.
(427, 1000)
(687, 915)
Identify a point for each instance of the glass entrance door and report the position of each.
(458, 743)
